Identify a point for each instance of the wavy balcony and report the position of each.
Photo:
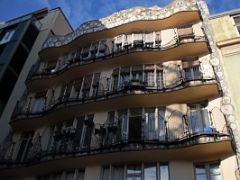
(109, 144)
(178, 13)
(77, 66)
(130, 94)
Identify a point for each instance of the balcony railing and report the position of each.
(92, 55)
(133, 87)
(111, 138)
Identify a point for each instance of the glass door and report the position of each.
(135, 125)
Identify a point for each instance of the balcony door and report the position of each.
(87, 131)
(198, 118)
(24, 146)
(39, 102)
(155, 123)
(123, 121)
(151, 127)
(135, 125)
(65, 92)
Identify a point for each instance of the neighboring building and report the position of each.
(136, 95)
(16, 40)
(20, 41)
(226, 32)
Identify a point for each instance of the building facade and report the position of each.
(136, 95)
(17, 38)
(226, 33)
(21, 40)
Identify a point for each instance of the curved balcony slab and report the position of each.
(154, 18)
(202, 147)
(199, 89)
(130, 57)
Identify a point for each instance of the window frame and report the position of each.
(7, 36)
(142, 165)
(207, 168)
(39, 102)
(236, 25)
(193, 73)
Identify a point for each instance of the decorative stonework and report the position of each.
(123, 17)
(226, 105)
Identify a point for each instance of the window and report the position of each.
(69, 175)
(150, 121)
(208, 172)
(86, 140)
(25, 145)
(105, 173)
(95, 84)
(87, 86)
(57, 176)
(161, 123)
(134, 172)
(65, 92)
(135, 124)
(80, 174)
(7, 36)
(192, 73)
(76, 174)
(159, 79)
(137, 76)
(139, 171)
(50, 67)
(115, 82)
(147, 75)
(39, 104)
(198, 118)
(237, 22)
(77, 87)
(124, 79)
(117, 172)
(150, 172)
(149, 78)
(155, 121)
(123, 118)
(164, 172)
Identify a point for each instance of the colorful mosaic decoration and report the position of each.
(123, 17)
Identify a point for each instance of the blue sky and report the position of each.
(79, 11)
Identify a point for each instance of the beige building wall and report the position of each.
(223, 28)
(227, 40)
(181, 170)
(178, 170)
(227, 165)
(92, 172)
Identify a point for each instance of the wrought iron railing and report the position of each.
(24, 109)
(77, 60)
(108, 137)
